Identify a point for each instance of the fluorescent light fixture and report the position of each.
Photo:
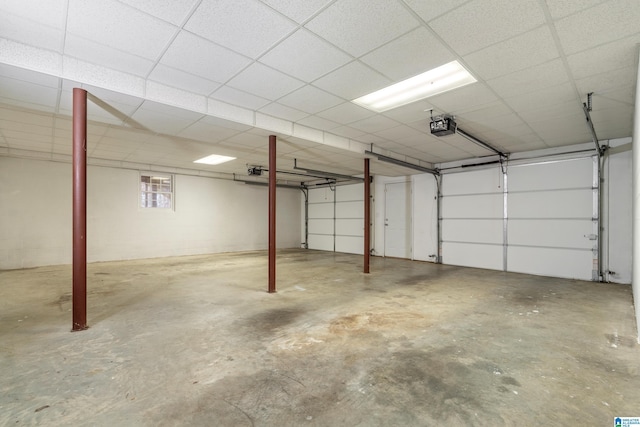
(214, 159)
(433, 82)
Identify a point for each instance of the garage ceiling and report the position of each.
(175, 80)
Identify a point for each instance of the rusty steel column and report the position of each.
(79, 300)
(272, 213)
(367, 215)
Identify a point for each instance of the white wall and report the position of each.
(210, 215)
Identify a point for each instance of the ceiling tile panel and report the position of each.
(173, 11)
(317, 122)
(297, 10)
(28, 93)
(352, 81)
(463, 98)
(531, 79)
(409, 55)
(245, 26)
(609, 81)
(203, 58)
(310, 100)
(481, 23)
(32, 33)
(114, 24)
(613, 20)
(204, 131)
(99, 54)
(182, 80)
(561, 8)
(429, 9)
(544, 99)
(348, 24)
(374, 124)
(239, 98)
(283, 112)
(265, 82)
(607, 57)
(526, 50)
(346, 113)
(305, 56)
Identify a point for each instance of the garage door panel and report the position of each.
(347, 193)
(553, 233)
(475, 231)
(570, 264)
(321, 195)
(320, 242)
(476, 206)
(321, 226)
(350, 227)
(551, 204)
(473, 255)
(473, 182)
(321, 210)
(350, 244)
(549, 176)
(350, 209)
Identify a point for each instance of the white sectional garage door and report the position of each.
(552, 228)
(472, 219)
(546, 223)
(336, 219)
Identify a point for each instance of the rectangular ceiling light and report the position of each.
(214, 159)
(433, 82)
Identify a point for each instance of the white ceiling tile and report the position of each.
(162, 119)
(359, 26)
(462, 99)
(96, 53)
(182, 80)
(607, 57)
(526, 50)
(203, 58)
(177, 97)
(310, 99)
(410, 113)
(283, 112)
(429, 9)
(397, 133)
(29, 32)
(316, 122)
(481, 23)
(352, 81)
(601, 24)
(47, 12)
(216, 121)
(173, 11)
(245, 26)
(374, 124)
(538, 108)
(562, 8)
(348, 132)
(204, 131)
(91, 74)
(28, 93)
(609, 81)
(530, 79)
(409, 55)
(494, 110)
(561, 95)
(346, 113)
(114, 24)
(265, 82)
(239, 98)
(29, 76)
(297, 10)
(305, 56)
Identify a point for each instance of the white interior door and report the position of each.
(397, 220)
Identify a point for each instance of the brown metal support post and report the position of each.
(272, 213)
(79, 300)
(367, 215)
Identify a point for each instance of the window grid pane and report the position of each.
(156, 192)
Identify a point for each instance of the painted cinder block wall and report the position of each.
(210, 215)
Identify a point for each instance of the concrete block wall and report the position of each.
(209, 216)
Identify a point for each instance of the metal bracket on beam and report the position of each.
(586, 107)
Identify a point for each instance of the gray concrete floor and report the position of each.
(197, 341)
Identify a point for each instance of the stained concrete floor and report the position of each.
(197, 341)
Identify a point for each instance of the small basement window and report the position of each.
(156, 191)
